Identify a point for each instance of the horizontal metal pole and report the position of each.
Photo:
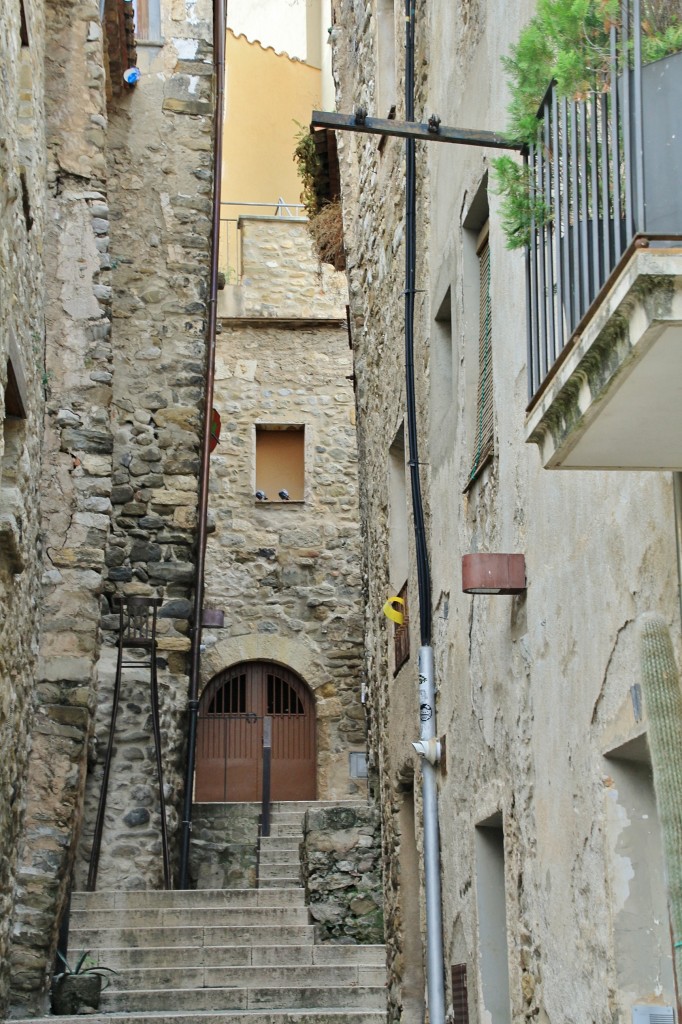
(410, 130)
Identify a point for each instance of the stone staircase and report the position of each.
(221, 955)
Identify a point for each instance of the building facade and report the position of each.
(107, 191)
(551, 866)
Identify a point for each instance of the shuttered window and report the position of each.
(460, 994)
(484, 428)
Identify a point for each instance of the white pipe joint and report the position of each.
(429, 749)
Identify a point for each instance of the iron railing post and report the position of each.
(267, 767)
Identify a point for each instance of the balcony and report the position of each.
(604, 267)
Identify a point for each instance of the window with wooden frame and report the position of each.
(484, 429)
(401, 633)
(280, 463)
(148, 21)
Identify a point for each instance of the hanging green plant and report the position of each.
(309, 169)
(568, 42)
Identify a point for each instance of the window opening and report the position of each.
(25, 201)
(280, 463)
(148, 20)
(484, 432)
(282, 699)
(443, 406)
(24, 26)
(385, 77)
(230, 698)
(492, 919)
(460, 994)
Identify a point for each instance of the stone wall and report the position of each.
(159, 152)
(122, 223)
(224, 849)
(75, 482)
(341, 866)
(533, 690)
(22, 339)
(287, 575)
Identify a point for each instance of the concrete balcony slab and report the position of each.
(613, 400)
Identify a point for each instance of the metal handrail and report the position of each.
(587, 169)
(230, 229)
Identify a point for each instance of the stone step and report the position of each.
(176, 917)
(315, 976)
(276, 868)
(276, 998)
(197, 935)
(289, 843)
(300, 1016)
(284, 882)
(236, 956)
(195, 900)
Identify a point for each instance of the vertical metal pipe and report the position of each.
(556, 219)
(584, 209)
(626, 79)
(576, 304)
(434, 950)
(615, 150)
(535, 305)
(565, 221)
(267, 772)
(606, 216)
(594, 197)
(637, 112)
(549, 237)
(542, 256)
(434, 925)
(219, 16)
(530, 322)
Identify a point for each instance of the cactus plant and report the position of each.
(663, 698)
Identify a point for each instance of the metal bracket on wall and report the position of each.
(433, 131)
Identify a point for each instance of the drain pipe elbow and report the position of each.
(429, 749)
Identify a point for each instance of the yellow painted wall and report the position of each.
(266, 93)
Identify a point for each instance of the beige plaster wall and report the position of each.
(532, 691)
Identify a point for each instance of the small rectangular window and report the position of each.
(24, 24)
(460, 994)
(484, 427)
(492, 919)
(280, 463)
(148, 20)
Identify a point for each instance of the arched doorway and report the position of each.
(230, 735)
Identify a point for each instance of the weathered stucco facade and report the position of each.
(287, 573)
(105, 250)
(549, 833)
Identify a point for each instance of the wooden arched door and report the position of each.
(230, 735)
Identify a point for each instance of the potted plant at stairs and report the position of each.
(79, 989)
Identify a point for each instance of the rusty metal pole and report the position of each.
(219, 17)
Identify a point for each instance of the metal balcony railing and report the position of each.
(230, 232)
(598, 173)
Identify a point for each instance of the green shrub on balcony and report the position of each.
(567, 43)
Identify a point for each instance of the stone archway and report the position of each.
(230, 735)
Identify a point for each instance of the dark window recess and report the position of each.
(401, 634)
(282, 698)
(25, 201)
(460, 994)
(14, 407)
(24, 26)
(484, 431)
(230, 698)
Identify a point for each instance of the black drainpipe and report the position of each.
(219, 19)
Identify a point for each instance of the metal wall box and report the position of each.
(493, 574)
